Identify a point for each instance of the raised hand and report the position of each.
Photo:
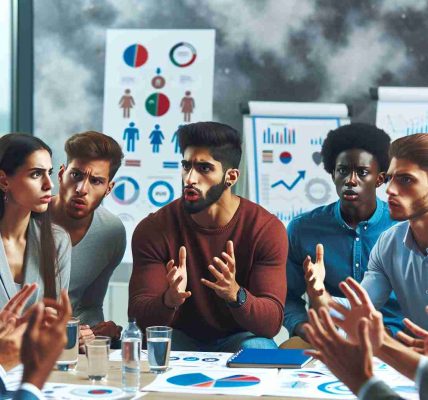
(176, 293)
(315, 273)
(350, 361)
(225, 284)
(13, 308)
(361, 307)
(417, 343)
(43, 343)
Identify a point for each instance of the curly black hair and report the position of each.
(356, 136)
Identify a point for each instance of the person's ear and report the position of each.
(61, 171)
(380, 180)
(232, 176)
(109, 188)
(4, 182)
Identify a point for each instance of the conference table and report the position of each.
(114, 378)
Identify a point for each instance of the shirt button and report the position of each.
(365, 228)
(426, 291)
(357, 239)
(357, 264)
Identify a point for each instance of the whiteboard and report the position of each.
(283, 154)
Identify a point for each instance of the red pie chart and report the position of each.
(157, 104)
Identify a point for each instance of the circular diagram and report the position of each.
(126, 190)
(157, 104)
(182, 54)
(160, 193)
(135, 55)
(317, 191)
(285, 157)
(204, 381)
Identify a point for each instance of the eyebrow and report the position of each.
(198, 163)
(101, 178)
(40, 169)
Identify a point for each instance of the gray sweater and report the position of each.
(32, 263)
(93, 261)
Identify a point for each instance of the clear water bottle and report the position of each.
(131, 350)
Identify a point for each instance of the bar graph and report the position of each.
(288, 216)
(286, 136)
(317, 141)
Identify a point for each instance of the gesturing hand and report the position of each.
(417, 343)
(315, 273)
(176, 293)
(350, 362)
(361, 307)
(42, 343)
(13, 308)
(225, 285)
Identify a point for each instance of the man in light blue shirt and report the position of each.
(355, 155)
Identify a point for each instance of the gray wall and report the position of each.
(295, 50)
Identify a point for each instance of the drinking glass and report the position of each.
(158, 347)
(67, 361)
(97, 351)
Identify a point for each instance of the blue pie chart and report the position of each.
(201, 380)
(126, 190)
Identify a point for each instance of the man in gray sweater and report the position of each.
(98, 237)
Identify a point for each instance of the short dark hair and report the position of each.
(413, 148)
(356, 136)
(223, 142)
(93, 145)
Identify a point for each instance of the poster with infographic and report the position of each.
(401, 111)
(155, 81)
(285, 171)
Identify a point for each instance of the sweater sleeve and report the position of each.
(148, 279)
(262, 313)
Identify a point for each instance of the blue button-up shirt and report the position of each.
(396, 263)
(346, 253)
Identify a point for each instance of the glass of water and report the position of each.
(67, 361)
(158, 347)
(97, 351)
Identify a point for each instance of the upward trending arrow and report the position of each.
(301, 175)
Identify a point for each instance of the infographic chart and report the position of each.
(285, 170)
(155, 81)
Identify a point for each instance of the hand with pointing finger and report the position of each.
(176, 293)
(315, 273)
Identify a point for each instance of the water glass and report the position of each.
(158, 347)
(97, 351)
(67, 361)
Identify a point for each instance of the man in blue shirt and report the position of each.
(399, 260)
(356, 156)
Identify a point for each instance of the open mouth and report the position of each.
(350, 195)
(191, 194)
(78, 203)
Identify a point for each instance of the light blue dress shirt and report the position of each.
(346, 253)
(396, 263)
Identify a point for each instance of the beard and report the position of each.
(213, 194)
(418, 208)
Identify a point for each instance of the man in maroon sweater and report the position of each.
(210, 264)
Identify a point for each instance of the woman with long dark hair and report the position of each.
(31, 248)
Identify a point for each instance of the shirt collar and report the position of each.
(410, 242)
(373, 220)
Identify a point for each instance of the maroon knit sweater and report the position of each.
(260, 245)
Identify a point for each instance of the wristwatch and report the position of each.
(241, 298)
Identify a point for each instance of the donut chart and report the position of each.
(201, 380)
(135, 55)
(157, 104)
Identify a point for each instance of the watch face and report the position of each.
(242, 296)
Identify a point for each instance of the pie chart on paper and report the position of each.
(201, 380)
